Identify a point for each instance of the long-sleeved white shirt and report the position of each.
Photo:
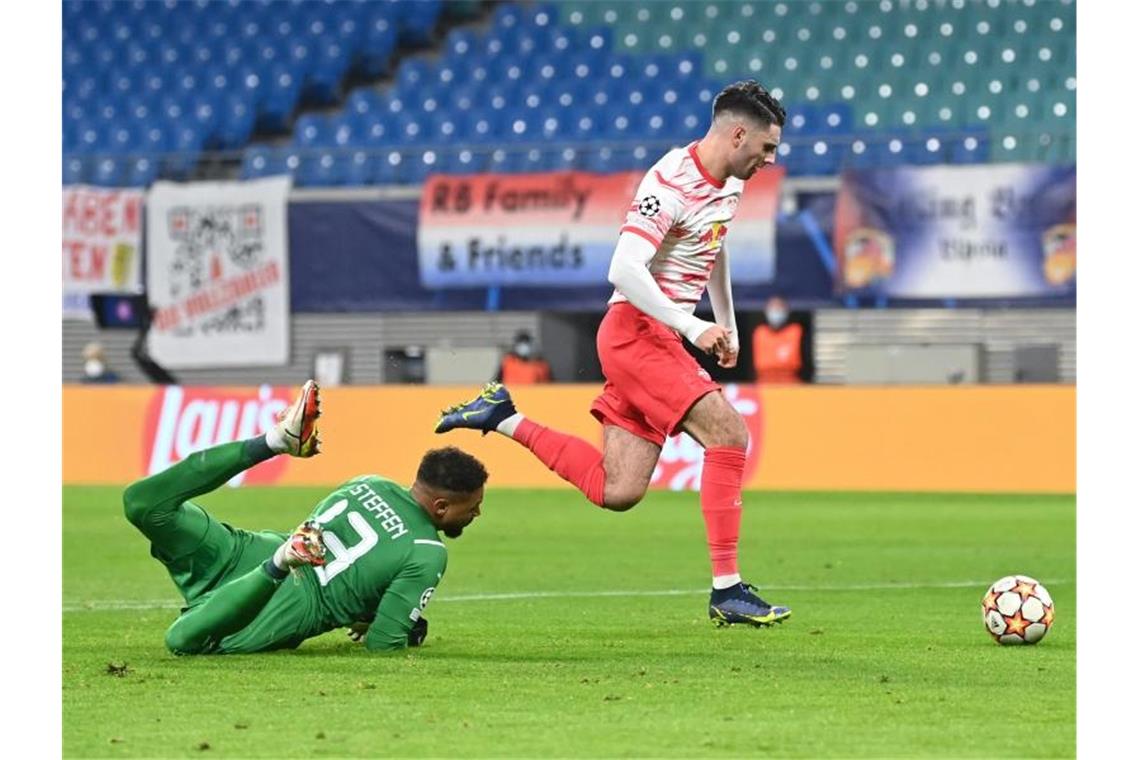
(671, 246)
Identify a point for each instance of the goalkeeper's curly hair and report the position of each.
(749, 98)
(451, 469)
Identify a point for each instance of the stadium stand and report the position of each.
(597, 85)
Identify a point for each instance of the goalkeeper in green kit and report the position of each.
(368, 558)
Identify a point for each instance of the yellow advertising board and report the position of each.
(971, 439)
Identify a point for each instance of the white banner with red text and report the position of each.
(102, 243)
(218, 273)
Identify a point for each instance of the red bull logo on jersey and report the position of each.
(180, 421)
(682, 459)
(713, 237)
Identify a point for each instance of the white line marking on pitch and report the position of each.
(99, 605)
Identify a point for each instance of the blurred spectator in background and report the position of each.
(95, 368)
(522, 365)
(777, 345)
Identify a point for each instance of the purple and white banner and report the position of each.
(993, 231)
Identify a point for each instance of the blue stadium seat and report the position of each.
(122, 139)
(154, 138)
(598, 39)
(413, 74)
(541, 15)
(280, 98)
(447, 128)
(235, 123)
(606, 159)
(331, 62)
(74, 170)
(185, 145)
(427, 100)
(535, 97)
(341, 132)
(320, 169)
(655, 123)
(803, 119)
(206, 118)
(820, 158)
(507, 15)
(309, 131)
(362, 101)
(503, 161)
(970, 147)
(141, 171)
(485, 125)
(257, 161)
(376, 129)
(388, 168)
(91, 138)
(358, 168)
(555, 124)
(140, 109)
(412, 129)
(472, 161)
(108, 172)
(418, 21)
(566, 159)
(521, 125)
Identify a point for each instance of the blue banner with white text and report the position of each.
(992, 231)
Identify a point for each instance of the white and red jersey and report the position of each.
(684, 212)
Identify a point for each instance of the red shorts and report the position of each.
(651, 380)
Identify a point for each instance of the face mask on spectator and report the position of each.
(776, 317)
(93, 368)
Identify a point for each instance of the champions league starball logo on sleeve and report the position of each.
(649, 206)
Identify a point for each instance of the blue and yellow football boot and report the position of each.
(484, 412)
(740, 604)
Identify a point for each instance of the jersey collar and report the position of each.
(701, 167)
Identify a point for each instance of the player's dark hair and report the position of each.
(451, 469)
(749, 98)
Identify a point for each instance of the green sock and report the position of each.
(229, 609)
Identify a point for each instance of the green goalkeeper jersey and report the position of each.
(383, 563)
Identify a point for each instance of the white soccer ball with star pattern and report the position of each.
(1017, 610)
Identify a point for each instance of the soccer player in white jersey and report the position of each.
(671, 247)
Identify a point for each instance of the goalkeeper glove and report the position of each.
(418, 633)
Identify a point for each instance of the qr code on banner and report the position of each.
(213, 242)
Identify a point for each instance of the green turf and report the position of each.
(857, 671)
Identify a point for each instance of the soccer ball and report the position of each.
(1017, 610)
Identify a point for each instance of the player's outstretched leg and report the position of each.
(573, 459)
(156, 505)
(233, 606)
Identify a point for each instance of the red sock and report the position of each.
(574, 460)
(721, 481)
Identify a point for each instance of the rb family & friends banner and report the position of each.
(559, 229)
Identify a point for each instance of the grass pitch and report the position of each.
(562, 630)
